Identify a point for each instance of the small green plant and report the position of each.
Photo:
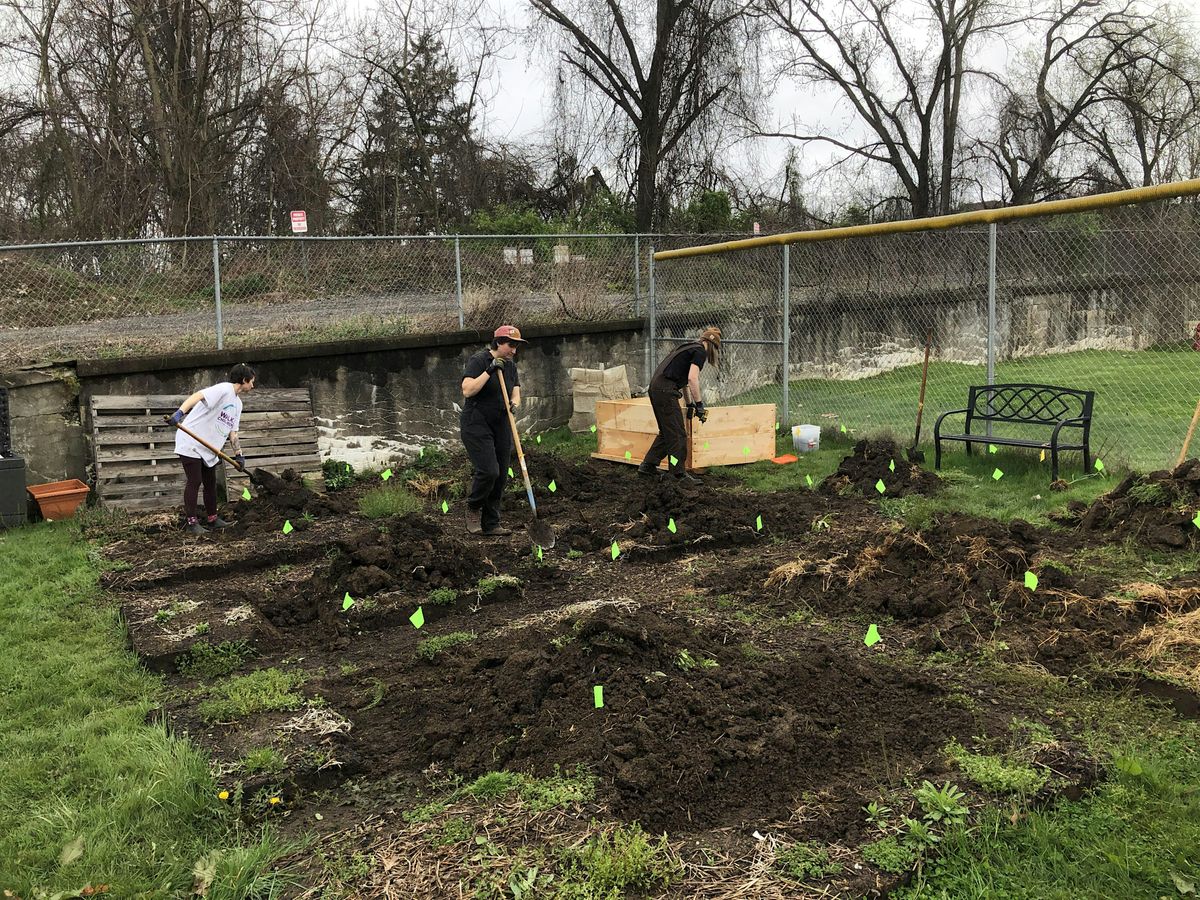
(750, 652)
(878, 814)
(266, 690)
(388, 500)
(492, 583)
(1150, 493)
(431, 456)
(616, 862)
(455, 830)
(558, 790)
(492, 785)
(164, 615)
(426, 812)
(338, 475)
(995, 775)
(889, 855)
(942, 806)
(442, 596)
(823, 523)
(805, 862)
(205, 661)
(263, 761)
(203, 628)
(347, 668)
(429, 648)
(918, 834)
(686, 661)
(574, 554)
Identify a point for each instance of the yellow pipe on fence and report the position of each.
(956, 220)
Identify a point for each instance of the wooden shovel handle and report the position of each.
(1188, 440)
(203, 443)
(512, 422)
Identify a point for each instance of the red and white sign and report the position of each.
(299, 221)
(757, 228)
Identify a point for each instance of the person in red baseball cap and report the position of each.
(485, 429)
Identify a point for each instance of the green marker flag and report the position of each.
(553, 487)
(746, 451)
(1031, 581)
(386, 474)
(997, 475)
(843, 427)
(776, 426)
(872, 637)
(1099, 465)
(671, 526)
(674, 461)
(598, 696)
(880, 486)
(539, 438)
(616, 551)
(891, 465)
(758, 524)
(593, 429)
(1196, 521)
(246, 493)
(808, 480)
(628, 455)
(706, 445)
(510, 472)
(992, 448)
(421, 453)
(287, 527)
(445, 507)
(539, 552)
(418, 618)
(347, 602)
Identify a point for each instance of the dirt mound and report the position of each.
(1156, 509)
(279, 498)
(880, 461)
(691, 731)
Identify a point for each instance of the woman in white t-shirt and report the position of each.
(213, 415)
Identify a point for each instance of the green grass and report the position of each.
(266, 690)
(803, 862)
(443, 596)
(82, 772)
(429, 648)
(388, 500)
(1144, 399)
(994, 774)
(263, 760)
(206, 660)
(492, 583)
(613, 863)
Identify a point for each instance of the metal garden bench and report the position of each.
(1054, 407)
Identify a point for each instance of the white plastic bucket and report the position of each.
(806, 438)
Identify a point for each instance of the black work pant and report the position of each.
(197, 473)
(489, 443)
(672, 436)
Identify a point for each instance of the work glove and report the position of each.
(177, 417)
(241, 462)
(701, 412)
(497, 365)
(691, 410)
(512, 408)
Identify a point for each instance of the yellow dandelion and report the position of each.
(224, 795)
(275, 800)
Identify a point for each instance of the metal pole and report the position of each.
(991, 317)
(458, 282)
(652, 325)
(785, 415)
(217, 292)
(637, 276)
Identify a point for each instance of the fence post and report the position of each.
(991, 317)
(217, 292)
(637, 276)
(785, 415)
(652, 324)
(458, 282)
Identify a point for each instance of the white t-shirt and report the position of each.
(212, 419)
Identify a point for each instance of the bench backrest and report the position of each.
(1039, 404)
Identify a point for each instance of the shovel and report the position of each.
(539, 532)
(915, 455)
(203, 443)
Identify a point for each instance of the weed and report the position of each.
(454, 830)
(942, 806)
(492, 583)
(377, 693)
(492, 785)
(806, 862)
(574, 554)
(388, 500)
(684, 660)
(429, 648)
(263, 760)
(995, 775)
(918, 834)
(878, 814)
(426, 812)
(347, 668)
(889, 855)
(559, 790)
(1036, 733)
(750, 652)
(338, 475)
(611, 863)
(265, 690)
(1150, 493)
(823, 523)
(205, 660)
(442, 596)
(202, 628)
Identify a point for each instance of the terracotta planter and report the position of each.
(59, 499)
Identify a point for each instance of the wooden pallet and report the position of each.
(134, 449)
(732, 434)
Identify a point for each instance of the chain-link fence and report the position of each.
(65, 301)
(1104, 300)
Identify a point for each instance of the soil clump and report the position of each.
(873, 462)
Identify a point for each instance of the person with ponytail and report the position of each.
(679, 375)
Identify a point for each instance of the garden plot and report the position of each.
(799, 692)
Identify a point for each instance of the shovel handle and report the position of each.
(924, 376)
(512, 423)
(203, 443)
(1188, 440)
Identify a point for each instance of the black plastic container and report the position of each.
(14, 501)
(5, 425)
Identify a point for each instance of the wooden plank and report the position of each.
(110, 470)
(278, 462)
(248, 419)
(143, 489)
(138, 505)
(258, 399)
(287, 434)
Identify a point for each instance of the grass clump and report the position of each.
(1150, 493)
(454, 831)
(493, 583)
(492, 785)
(338, 475)
(205, 660)
(889, 855)
(429, 648)
(263, 761)
(426, 812)
(442, 596)
(995, 775)
(615, 862)
(388, 500)
(266, 690)
(805, 862)
(686, 661)
(559, 790)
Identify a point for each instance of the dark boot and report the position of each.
(474, 521)
(648, 471)
(194, 527)
(218, 523)
(497, 531)
(685, 477)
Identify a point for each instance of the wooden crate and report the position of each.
(731, 431)
(134, 449)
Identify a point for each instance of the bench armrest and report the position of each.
(1081, 421)
(937, 426)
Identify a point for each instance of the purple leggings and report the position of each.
(197, 473)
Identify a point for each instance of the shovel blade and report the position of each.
(541, 534)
